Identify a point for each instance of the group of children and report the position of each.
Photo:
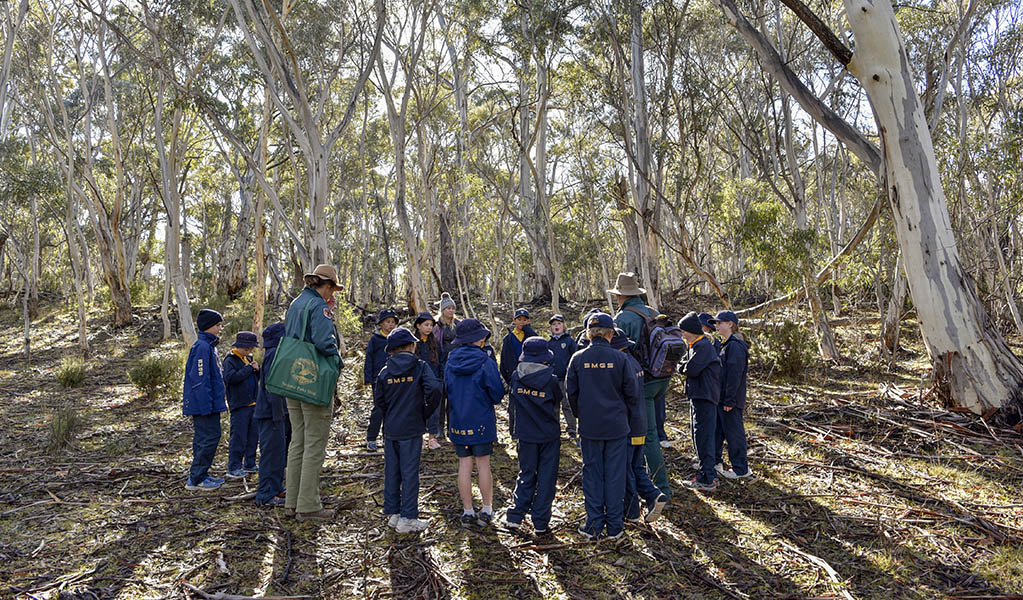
(596, 381)
(257, 417)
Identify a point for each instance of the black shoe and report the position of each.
(582, 530)
(467, 521)
(483, 518)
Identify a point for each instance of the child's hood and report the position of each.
(401, 363)
(466, 360)
(534, 375)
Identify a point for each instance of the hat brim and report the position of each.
(237, 345)
(461, 341)
(627, 292)
(334, 284)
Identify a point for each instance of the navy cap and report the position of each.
(468, 331)
(691, 323)
(586, 317)
(620, 341)
(557, 317)
(386, 314)
(600, 319)
(534, 349)
(521, 312)
(207, 318)
(398, 338)
(725, 315)
(245, 339)
(706, 319)
(423, 317)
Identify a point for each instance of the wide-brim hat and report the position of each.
(398, 338)
(386, 314)
(535, 349)
(469, 331)
(245, 339)
(626, 285)
(327, 272)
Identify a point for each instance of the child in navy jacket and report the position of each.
(562, 346)
(511, 348)
(637, 480)
(429, 350)
(703, 387)
(601, 387)
(376, 356)
(734, 357)
(241, 374)
(474, 386)
(203, 400)
(406, 392)
(273, 425)
(537, 395)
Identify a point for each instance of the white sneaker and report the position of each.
(392, 520)
(720, 468)
(665, 444)
(730, 474)
(411, 525)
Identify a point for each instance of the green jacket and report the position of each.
(630, 322)
(320, 330)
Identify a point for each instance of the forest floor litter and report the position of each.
(865, 488)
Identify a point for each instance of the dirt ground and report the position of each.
(865, 489)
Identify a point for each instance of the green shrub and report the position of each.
(154, 374)
(785, 350)
(71, 372)
(64, 426)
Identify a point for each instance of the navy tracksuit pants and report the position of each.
(537, 482)
(637, 483)
(401, 477)
(604, 463)
(274, 437)
(376, 419)
(731, 429)
(205, 439)
(241, 447)
(704, 418)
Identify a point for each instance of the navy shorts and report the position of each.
(463, 451)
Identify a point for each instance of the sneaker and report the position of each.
(696, 484)
(467, 520)
(484, 518)
(410, 525)
(208, 484)
(720, 469)
(543, 531)
(392, 520)
(371, 446)
(318, 515)
(730, 474)
(665, 444)
(696, 464)
(251, 470)
(275, 501)
(634, 520)
(587, 534)
(511, 524)
(655, 508)
(616, 536)
(236, 474)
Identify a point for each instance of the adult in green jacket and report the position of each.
(310, 424)
(627, 292)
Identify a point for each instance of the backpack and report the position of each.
(660, 347)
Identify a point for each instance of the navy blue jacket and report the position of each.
(429, 352)
(203, 392)
(637, 411)
(563, 348)
(703, 371)
(601, 385)
(268, 405)
(511, 348)
(241, 381)
(406, 392)
(734, 366)
(376, 357)
(320, 330)
(474, 386)
(536, 394)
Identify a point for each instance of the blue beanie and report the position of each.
(207, 318)
(535, 350)
(398, 338)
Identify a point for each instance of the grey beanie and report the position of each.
(446, 301)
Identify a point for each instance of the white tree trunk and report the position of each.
(972, 365)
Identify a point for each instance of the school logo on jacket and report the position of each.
(563, 345)
(304, 371)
